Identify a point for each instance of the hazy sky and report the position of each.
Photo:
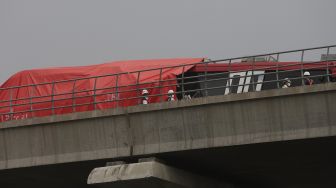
(45, 33)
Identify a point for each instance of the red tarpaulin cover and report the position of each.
(37, 99)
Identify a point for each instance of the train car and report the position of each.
(56, 91)
(239, 77)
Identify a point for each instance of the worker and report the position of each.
(144, 96)
(286, 83)
(307, 80)
(171, 95)
(186, 97)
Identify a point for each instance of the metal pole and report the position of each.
(252, 76)
(205, 79)
(94, 94)
(11, 111)
(160, 88)
(31, 101)
(328, 79)
(52, 98)
(302, 78)
(73, 97)
(277, 71)
(116, 90)
(138, 89)
(228, 81)
(182, 82)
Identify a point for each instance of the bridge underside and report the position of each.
(297, 163)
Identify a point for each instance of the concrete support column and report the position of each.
(149, 174)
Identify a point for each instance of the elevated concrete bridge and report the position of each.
(273, 138)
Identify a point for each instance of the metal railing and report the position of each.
(79, 98)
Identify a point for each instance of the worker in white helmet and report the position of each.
(186, 97)
(307, 80)
(286, 83)
(144, 96)
(171, 95)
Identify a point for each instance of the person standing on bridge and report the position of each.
(144, 96)
(286, 83)
(171, 95)
(307, 80)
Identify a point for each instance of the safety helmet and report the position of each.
(306, 73)
(287, 80)
(170, 91)
(144, 91)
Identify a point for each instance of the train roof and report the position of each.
(270, 66)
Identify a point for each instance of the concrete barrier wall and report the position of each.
(266, 116)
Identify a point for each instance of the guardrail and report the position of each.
(92, 97)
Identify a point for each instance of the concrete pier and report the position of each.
(151, 174)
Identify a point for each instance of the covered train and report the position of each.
(53, 91)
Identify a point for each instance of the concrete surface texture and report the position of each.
(219, 121)
(151, 174)
(256, 117)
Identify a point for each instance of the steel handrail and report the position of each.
(159, 84)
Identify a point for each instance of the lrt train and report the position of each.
(54, 91)
(225, 78)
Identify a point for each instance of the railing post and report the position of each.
(52, 99)
(228, 81)
(138, 89)
(302, 78)
(11, 111)
(277, 71)
(252, 76)
(182, 82)
(94, 94)
(205, 79)
(73, 96)
(30, 100)
(160, 88)
(116, 90)
(328, 79)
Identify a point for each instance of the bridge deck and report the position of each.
(254, 117)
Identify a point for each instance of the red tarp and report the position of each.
(37, 98)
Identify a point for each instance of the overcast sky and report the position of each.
(51, 33)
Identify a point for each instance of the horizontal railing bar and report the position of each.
(159, 87)
(276, 53)
(323, 65)
(82, 91)
(145, 70)
(139, 97)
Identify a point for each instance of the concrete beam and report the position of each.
(149, 174)
(210, 122)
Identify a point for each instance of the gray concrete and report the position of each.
(150, 174)
(308, 163)
(258, 117)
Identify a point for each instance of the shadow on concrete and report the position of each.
(297, 163)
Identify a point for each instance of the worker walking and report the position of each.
(171, 95)
(186, 97)
(144, 96)
(286, 83)
(307, 80)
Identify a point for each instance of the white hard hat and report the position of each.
(170, 91)
(287, 80)
(144, 92)
(306, 73)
